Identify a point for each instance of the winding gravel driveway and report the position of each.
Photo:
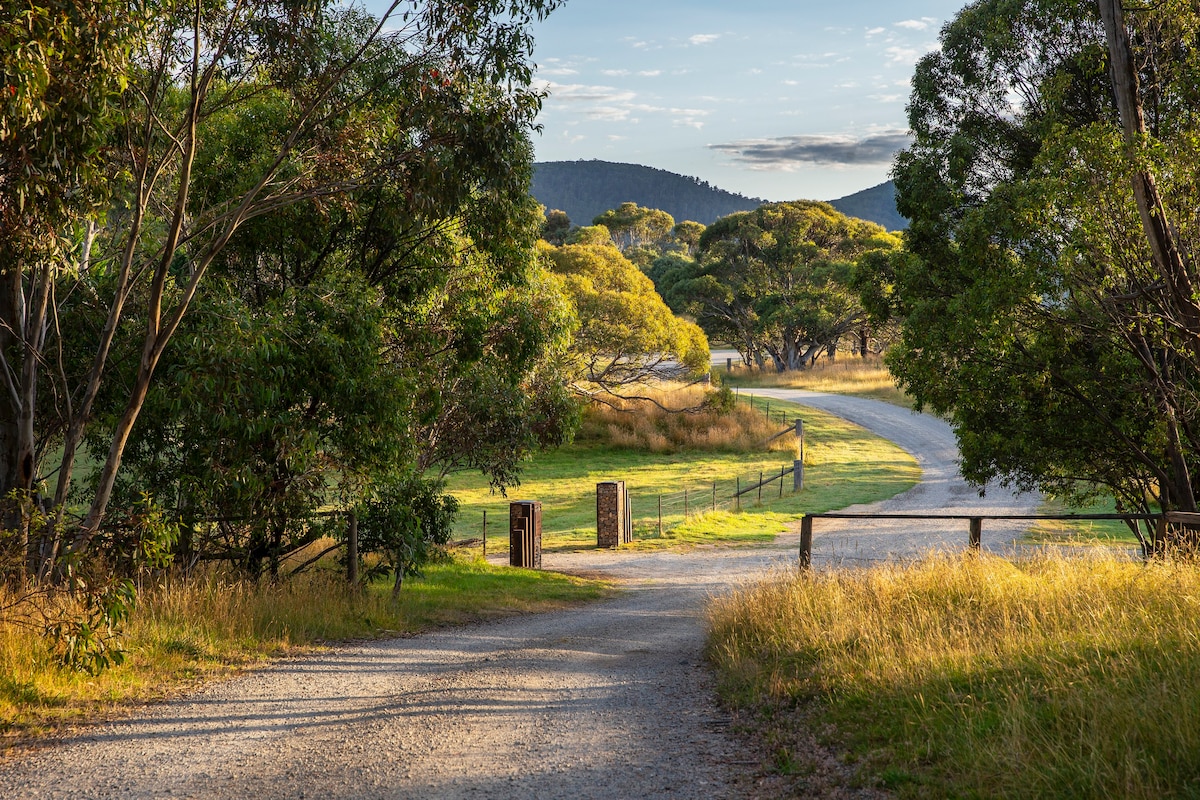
(611, 700)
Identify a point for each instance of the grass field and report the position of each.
(860, 377)
(181, 632)
(1081, 532)
(975, 676)
(844, 464)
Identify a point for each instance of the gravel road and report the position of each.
(611, 700)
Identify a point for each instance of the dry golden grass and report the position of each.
(862, 377)
(967, 676)
(185, 630)
(646, 424)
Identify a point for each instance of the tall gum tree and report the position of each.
(776, 282)
(192, 63)
(1049, 292)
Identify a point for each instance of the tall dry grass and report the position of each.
(183, 630)
(862, 377)
(956, 676)
(671, 418)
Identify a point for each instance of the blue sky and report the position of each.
(779, 99)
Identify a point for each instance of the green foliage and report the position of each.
(556, 227)
(1037, 316)
(775, 282)
(405, 521)
(89, 640)
(633, 226)
(625, 331)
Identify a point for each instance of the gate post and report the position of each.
(806, 542)
(525, 534)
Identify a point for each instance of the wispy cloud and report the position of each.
(704, 38)
(787, 153)
(924, 23)
(908, 56)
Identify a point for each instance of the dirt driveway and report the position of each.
(607, 701)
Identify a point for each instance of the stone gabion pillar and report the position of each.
(525, 534)
(611, 522)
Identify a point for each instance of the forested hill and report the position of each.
(877, 204)
(586, 189)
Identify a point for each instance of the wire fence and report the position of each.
(780, 413)
(653, 513)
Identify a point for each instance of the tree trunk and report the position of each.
(1166, 254)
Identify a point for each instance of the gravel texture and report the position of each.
(611, 700)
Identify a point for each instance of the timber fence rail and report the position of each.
(975, 523)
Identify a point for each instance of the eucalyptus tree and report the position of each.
(1049, 300)
(776, 282)
(432, 99)
(624, 332)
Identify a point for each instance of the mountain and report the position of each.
(586, 189)
(878, 204)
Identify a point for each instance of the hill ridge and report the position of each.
(584, 189)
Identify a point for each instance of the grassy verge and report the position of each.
(860, 377)
(1102, 532)
(844, 464)
(976, 677)
(184, 631)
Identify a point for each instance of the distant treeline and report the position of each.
(586, 189)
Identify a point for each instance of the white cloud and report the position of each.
(614, 73)
(907, 56)
(916, 24)
(650, 73)
(875, 31)
(557, 72)
(704, 38)
(582, 93)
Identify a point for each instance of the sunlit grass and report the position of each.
(974, 676)
(1106, 532)
(861, 377)
(185, 630)
(844, 465)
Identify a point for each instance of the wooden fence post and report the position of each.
(976, 532)
(685, 505)
(485, 533)
(737, 494)
(714, 496)
(760, 487)
(660, 516)
(352, 550)
(781, 473)
(806, 542)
